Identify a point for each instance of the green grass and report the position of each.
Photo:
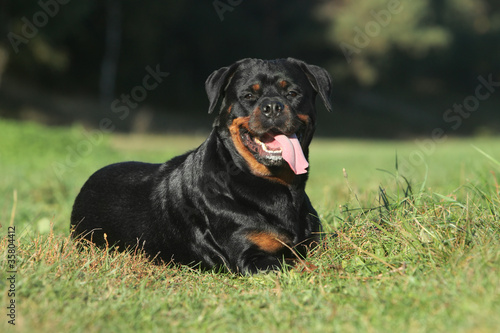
(406, 249)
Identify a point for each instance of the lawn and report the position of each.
(411, 243)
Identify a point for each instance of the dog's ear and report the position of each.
(216, 84)
(320, 80)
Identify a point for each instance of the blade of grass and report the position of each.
(451, 200)
(488, 156)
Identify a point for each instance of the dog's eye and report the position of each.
(291, 93)
(248, 96)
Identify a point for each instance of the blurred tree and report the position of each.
(83, 44)
(475, 25)
(36, 38)
(111, 56)
(367, 33)
(381, 39)
(102, 48)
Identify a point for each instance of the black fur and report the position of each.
(215, 206)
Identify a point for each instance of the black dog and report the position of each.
(238, 200)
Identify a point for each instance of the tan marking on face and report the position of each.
(305, 118)
(257, 168)
(284, 176)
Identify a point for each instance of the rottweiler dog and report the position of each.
(238, 200)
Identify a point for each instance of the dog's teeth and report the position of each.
(264, 147)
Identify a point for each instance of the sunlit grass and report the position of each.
(405, 253)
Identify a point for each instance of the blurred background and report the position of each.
(401, 69)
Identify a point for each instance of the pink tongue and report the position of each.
(291, 152)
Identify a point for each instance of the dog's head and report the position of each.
(268, 112)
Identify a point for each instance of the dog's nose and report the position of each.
(271, 108)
